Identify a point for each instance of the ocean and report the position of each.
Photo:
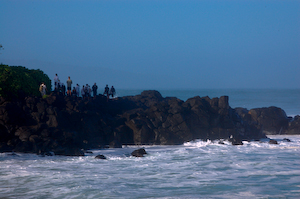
(197, 169)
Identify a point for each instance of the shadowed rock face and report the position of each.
(64, 125)
(272, 120)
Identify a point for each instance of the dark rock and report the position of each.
(272, 119)
(273, 142)
(4, 147)
(294, 125)
(45, 153)
(100, 157)
(65, 125)
(223, 102)
(23, 133)
(221, 142)
(87, 151)
(152, 94)
(139, 152)
(115, 144)
(69, 151)
(235, 141)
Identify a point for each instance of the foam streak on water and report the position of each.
(194, 170)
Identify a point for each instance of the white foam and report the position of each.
(189, 170)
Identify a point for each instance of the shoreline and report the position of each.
(66, 124)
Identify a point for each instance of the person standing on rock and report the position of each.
(83, 92)
(59, 86)
(106, 91)
(56, 80)
(69, 86)
(77, 89)
(95, 87)
(112, 91)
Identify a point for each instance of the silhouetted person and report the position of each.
(106, 91)
(56, 80)
(77, 90)
(112, 91)
(69, 86)
(95, 87)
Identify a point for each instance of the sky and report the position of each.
(157, 44)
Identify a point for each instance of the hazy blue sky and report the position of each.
(156, 44)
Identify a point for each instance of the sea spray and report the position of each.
(197, 168)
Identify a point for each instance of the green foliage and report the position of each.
(18, 79)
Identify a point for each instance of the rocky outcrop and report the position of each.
(65, 125)
(272, 120)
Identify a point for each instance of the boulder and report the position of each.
(139, 152)
(273, 142)
(235, 141)
(272, 119)
(100, 157)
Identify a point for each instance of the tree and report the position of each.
(18, 80)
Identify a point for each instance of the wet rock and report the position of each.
(273, 142)
(139, 152)
(235, 141)
(115, 144)
(100, 157)
(221, 142)
(68, 151)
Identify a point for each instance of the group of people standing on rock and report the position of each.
(85, 91)
(108, 92)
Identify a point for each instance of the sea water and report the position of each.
(197, 169)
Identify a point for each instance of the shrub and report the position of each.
(18, 80)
